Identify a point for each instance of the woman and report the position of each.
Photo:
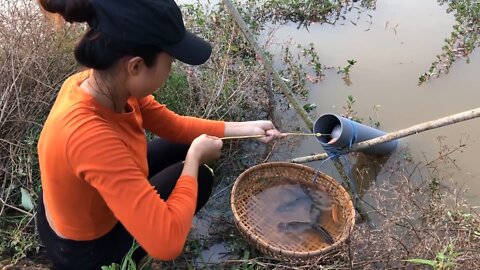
(103, 184)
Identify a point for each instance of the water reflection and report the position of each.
(365, 170)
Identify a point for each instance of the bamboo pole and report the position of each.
(283, 134)
(310, 158)
(268, 64)
(242, 137)
(444, 121)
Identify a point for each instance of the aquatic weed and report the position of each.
(350, 112)
(464, 38)
(304, 13)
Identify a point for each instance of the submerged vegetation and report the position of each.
(419, 218)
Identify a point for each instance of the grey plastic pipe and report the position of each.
(345, 132)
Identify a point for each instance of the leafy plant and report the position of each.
(444, 259)
(350, 112)
(128, 263)
(293, 73)
(464, 38)
(375, 122)
(309, 107)
(304, 13)
(346, 70)
(314, 59)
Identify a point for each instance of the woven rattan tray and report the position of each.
(259, 218)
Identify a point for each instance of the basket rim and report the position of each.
(282, 252)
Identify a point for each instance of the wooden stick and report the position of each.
(242, 137)
(304, 134)
(284, 134)
(444, 121)
(310, 158)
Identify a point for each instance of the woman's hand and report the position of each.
(267, 128)
(260, 127)
(202, 150)
(205, 149)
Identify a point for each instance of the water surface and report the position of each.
(393, 48)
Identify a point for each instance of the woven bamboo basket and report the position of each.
(256, 220)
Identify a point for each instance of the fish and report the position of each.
(292, 205)
(320, 198)
(294, 226)
(305, 225)
(324, 233)
(316, 215)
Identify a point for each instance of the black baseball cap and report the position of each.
(150, 22)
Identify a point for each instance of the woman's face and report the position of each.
(149, 79)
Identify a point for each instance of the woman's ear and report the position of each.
(135, 66)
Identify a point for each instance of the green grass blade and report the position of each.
(422, 261)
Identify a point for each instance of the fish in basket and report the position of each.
(291, 211)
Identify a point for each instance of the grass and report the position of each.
(444, 259)
(176, 93)
(35, 59)
(223, 88)
(411, 213)
(128, 263)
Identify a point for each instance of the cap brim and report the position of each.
(191, 50)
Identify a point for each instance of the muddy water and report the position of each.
(286, 214)
(393, 48)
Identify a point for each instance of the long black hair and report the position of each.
(96, 49)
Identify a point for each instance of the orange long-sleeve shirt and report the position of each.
(94, 170)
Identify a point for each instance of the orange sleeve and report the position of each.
(97, 154)
(158, 119)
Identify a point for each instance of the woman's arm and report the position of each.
(164, 123)
(98, 155)
(202, 150)
(260, 127)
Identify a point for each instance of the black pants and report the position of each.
(165, 166)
